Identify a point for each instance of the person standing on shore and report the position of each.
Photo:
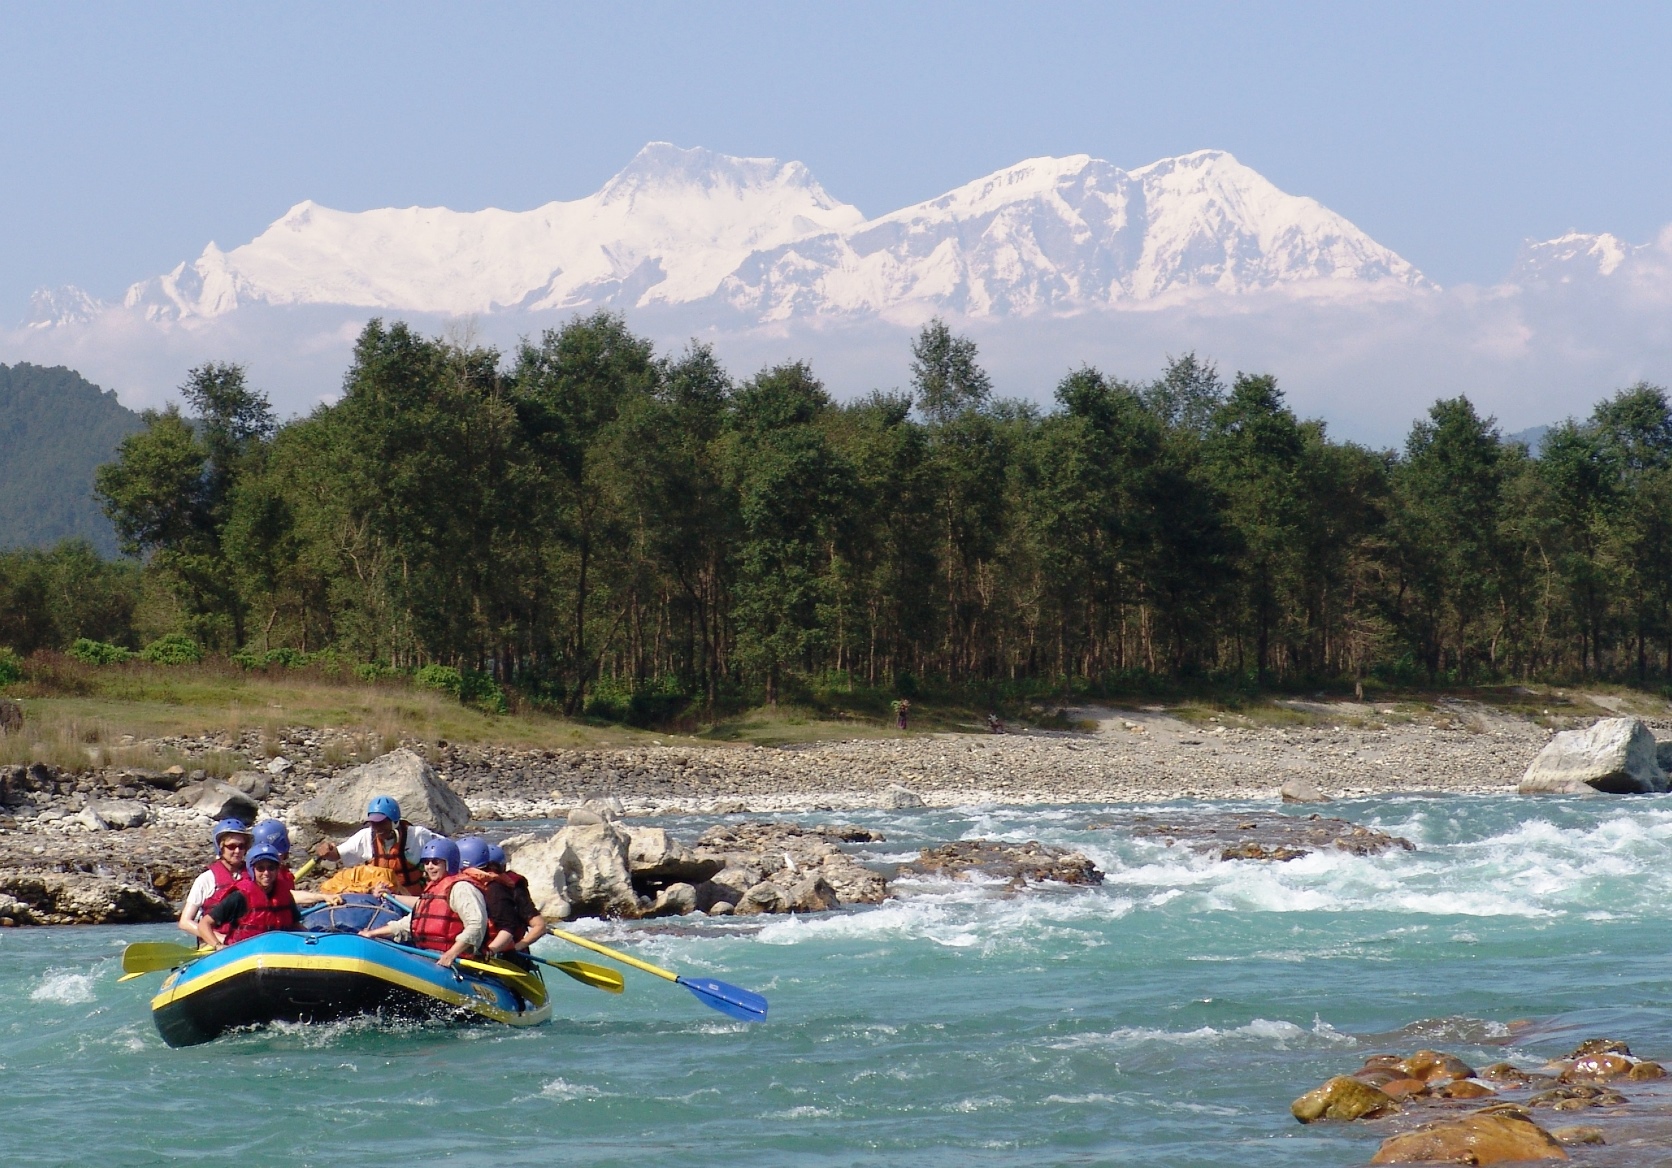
(232, 841)
(387, 841)
(902, 713)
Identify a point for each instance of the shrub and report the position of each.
(174, 649)
(442, 677)
(90, 652)
(469, 686)
(285, 656)
(374, 671)
(11, 667)
(245, 659)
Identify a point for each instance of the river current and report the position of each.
(1167, 1017)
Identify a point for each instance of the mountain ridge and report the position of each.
(761, 239)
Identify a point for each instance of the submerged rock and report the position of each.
(1616, 756)
(1263, 835)
(1018, 863)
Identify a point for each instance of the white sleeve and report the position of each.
(417, 836)
(467, 900)
(356, 849)
(202, 888)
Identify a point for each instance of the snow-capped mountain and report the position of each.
(1069, 233)
(762, 238)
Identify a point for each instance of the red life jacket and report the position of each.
(408, 877)
(263, 912)
(225, 878)
(434, 923)
(287, 879)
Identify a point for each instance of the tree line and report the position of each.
(591, 518)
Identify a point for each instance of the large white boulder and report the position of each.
(582, 870)
(1615, 756)
(340, 805)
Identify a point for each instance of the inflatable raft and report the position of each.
(328, 972)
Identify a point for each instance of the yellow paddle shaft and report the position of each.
(614, 955)
(306, 869)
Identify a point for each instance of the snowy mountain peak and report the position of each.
(66, 305)
(761, 237)
(1575, 255)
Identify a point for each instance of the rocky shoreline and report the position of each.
(122, 844)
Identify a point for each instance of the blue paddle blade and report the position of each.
(739, 1003)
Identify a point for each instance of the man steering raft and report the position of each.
(450, 916)
(388, 842)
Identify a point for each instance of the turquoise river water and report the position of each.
(1165, 1018)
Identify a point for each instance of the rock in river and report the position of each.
(1615, 756)
(1014, 862)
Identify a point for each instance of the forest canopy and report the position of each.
(591, 513)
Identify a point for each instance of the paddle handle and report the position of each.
(306, 870)
(615, 955)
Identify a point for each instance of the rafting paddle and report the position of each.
(153, 956)
(586, 973)
(734, 1001)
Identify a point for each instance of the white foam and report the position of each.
(1264, 1032)
(563, 1089)
(64, 987)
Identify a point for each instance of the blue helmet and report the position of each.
(230, 827)
(383, 807)
(473, 852)
(271, 831)
(441, 848)
(263, 852)
(496, 855)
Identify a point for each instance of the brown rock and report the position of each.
(1464, 1089)
(1482, 1138)
(1601, 1046)
(1404, 1088)
(1032, 861)
(1647, 1069)
(1503, 1073)
(1576, 1134)
(1388, 1061)
(1343, 1097)
(1435, 1066)
(1597, 1068)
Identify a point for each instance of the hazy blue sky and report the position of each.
(132, 134)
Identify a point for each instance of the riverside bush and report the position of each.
(11, 667)
(91, 652)
(469, 686)
(174, 649)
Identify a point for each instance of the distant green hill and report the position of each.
(55, 428)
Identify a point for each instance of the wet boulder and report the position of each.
(1301, 790)
(1614, 756)
(340, 806)
(1486, 1137)
(656, 858)
(1342, 1098)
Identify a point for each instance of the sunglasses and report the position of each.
(266, 865)
(234, 846)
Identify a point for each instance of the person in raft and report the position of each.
(260, 902)
(528, 926)
(451, 916)
(387, 841)
(232, 842)
(274, 832)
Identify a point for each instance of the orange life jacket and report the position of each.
(434, 923)
(263, 912)
(497, 892)
(409, 878)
